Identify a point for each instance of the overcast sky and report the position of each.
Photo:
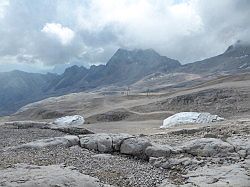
(36, 35)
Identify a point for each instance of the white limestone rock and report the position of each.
(188, 118)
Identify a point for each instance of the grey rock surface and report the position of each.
(23, 175)
(73, 130)
(208, 147)
(135, 147)
(102, 142)
(66, 141)
(218, 176)
(241, 144)
(158, 151)
(98, 142)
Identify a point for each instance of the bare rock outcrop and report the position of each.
(208, 147)
(158, 151)
(135, 147)
(103, 142)
(23, 175)
(214, 176)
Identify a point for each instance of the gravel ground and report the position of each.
(10, 136)
(117, 170)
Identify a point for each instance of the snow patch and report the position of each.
(66, 121)
(190, 117)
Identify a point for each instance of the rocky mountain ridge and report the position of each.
(125, 67)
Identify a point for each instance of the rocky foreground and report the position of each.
(37, 154)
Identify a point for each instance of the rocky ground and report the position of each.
(214, 155)
(110, 169)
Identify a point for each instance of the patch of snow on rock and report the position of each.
(67, 121)
(190, 117)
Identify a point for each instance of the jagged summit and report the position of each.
(128, 66)
(139, 56)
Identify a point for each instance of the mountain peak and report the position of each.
(238, 46)
(73, 70)
(128, 56)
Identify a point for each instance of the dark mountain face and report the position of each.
(124, 67)
(71, 76)
(235, 59)
(18, 88)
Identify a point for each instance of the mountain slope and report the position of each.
(126, 67)
(18, 88)
(235, 59)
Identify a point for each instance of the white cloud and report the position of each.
(64, 34)
(3, 5)
(90, 31)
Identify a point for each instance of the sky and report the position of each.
(49, 35)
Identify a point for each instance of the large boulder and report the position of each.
(189, 117)
(23, 175)
(69, 121)
(208, 147)
(117, 140)
(102, 142)
(98, 142)
(135, 147)
(158, 151)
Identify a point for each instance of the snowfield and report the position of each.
(189, 117)
(66, 121)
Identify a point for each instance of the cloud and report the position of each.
(3, 5)
(90, 31)
(64, 34)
